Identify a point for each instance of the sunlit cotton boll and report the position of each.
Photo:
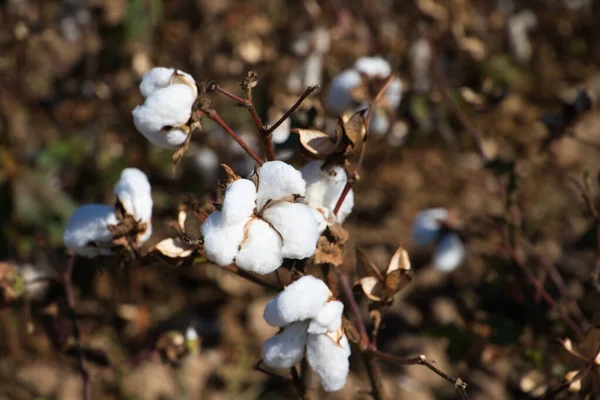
(449, 253)
(134, 193)
(427, 225)
(339, 96)
(393, 94)
(87, 232)
(167, 107)
(328, 319)
(329, 360)
(373, 67)
(287, 348)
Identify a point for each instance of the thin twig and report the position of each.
(212, 114)
(68, 286)
(251, 277)
(307, 92)
(364, 337)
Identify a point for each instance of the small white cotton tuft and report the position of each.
(380, 123)
(449, 253)
(393, 94)
(239, 202)
(87, 232)
(373, 67)
(277, 180)
(339, 97)
(328, 319)
(427, 225)
(297, 226)
(286, 349)
(134, 193)
(167, 107)
(329, 360)
(159, 78)
(36, 280)
(282, 133)
(299, 301)
(261, 250)
(221, 241)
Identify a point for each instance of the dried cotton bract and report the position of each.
(169, 97)
(259, 225)
(312, 325)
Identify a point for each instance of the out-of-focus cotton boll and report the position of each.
(297, 226)
(221, 241)
(286, 349)
(328, 319)
(134, 193)
(261, 249)
(282, 133)
(37, 280)
(519, 26)
(420, 65)
(393, 94)
(380, 123)
(373, 67)
(206, 163)
(278, 180)
(339, 97)
(299, 301)
(329, 360)
(427, 225)
(87, 232)
(449, 253)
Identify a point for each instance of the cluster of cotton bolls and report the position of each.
(428, 230)
(258, 225)
(88, 232)
(169, 97)
(343, 88)
(311, 325)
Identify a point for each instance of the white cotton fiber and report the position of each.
(261, 250)
(328, 319)
(339, 97)
(159, 78)
(87, 231)
(170, 106)
(221, 241)
(277, 180)
(36, 279)
(329, 360)
(380, 123)
(134, 193)
(299, 301)
(282, 133)
(286, 349)
(298, 227)
(239, 201)
(373, 67)
(393, 94)
(427, 225)
(449, 253)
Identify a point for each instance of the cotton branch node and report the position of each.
(260, 223)
(311, 326)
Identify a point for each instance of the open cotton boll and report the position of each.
(167, 107)
(426, 226)
(301, 300)
(329, 360)
(339, 97)
(373, 67)
(277, 180)
(380, 123)
(159, 78)
(328, 319)
(36, 280)
(239, 201)
(393, 94)
(261, 250)
(221, 241)
(449, 253)
(134, 193)
(87, 232)
(298, 227)
(286, 349)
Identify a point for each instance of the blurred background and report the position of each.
(525, 73)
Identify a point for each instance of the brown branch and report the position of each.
(68, 286)
(374, 374)
(307, 92)
(362, 330)
(251, 277)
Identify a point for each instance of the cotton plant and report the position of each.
(261, 222)
(430, 229)
(95, 229)
(311, 327)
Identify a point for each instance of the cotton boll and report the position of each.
(221, 241)
(239, 202)
(393, 94)
(282, 133)
(277, 180)
(427, 225)
(373, 67)
(286, 349)
(159, 78)
(328, 319)
(380, 123)
(134, 193)
(449, 253)
(301, 300)
(170, 106)
(261, 250)
(87, 232)
(297, 226)
(339, 97)
(329, 360)
(36, 280)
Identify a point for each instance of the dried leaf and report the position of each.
(352, 127)
(397, 280)
(365, 268)
(330, 247)
(231, 176)
(315, 143)
(174, 248)
(399, 260)
(373, 288)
